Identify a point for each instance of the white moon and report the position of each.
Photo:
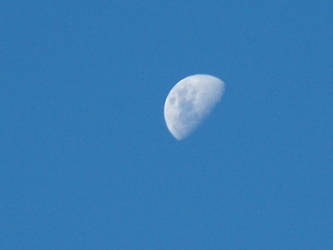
(189, 102)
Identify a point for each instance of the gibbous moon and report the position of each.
(189, 102)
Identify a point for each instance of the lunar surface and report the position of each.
(189, 102)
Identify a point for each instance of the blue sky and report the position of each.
(86, 159)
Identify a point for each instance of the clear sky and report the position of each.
(86, 160)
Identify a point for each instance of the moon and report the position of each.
(190, 101)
